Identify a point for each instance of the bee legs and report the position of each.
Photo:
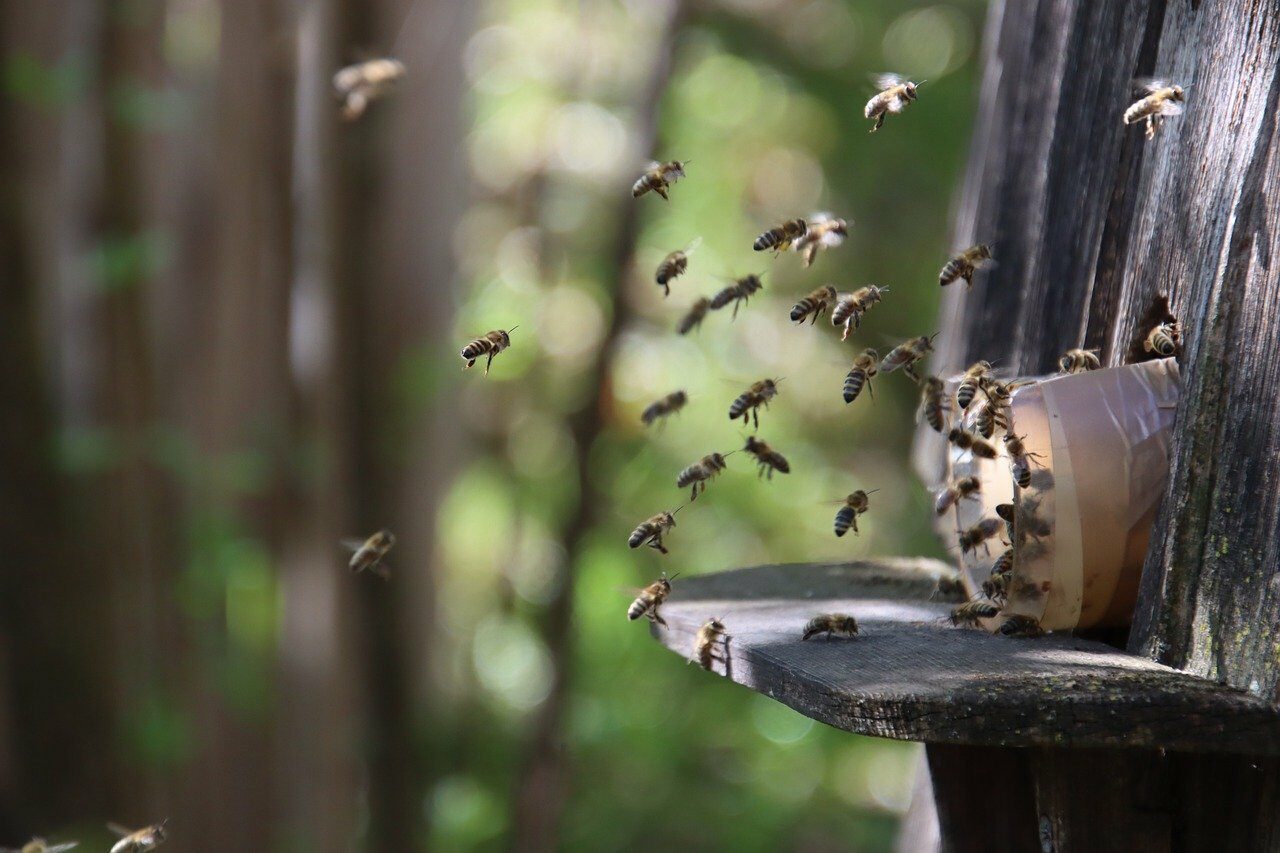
(662, 191)
(471, 363)
(879, 123)
(666, 290)
(654, 617)
(656, 542)
(489, 363)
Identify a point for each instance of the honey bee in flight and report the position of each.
(649, 600)
(966, 487)
(492, 343)
(834, 625)
(147, 838)
(971, 611)
(933, 403)
(965, 265)
(369, 553)
(989, 416)
(865, 366)
(39, 845)
(978, 534)
(1163, 339)
(1019, 460)
(847, 516)
(357, 85)
(1004, 563)
(659, 177)
(701, 472)
(711, 635)
(814, 305)
(972, 380)
(906, 354)
(895, 93)
(1021, 520)
(850, 308)
(780, 237)
(693, 319)
(673, 266)
(738, 293)
(1018, 625)
(768, 460)
(975, 444)
(1160, 99)
(824, 232)
(996, 588)
(668, 405)
(749, 402)
(651, 530)
(1079, 361)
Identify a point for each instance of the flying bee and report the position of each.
(492, 343)
(1160, 98)
(970, 382)
(673, 266)
(825, 232)
(649, 600)
(738, 293)
(965, 265)
(1079, 361)
(814, 305)
(1021, 521)
(979, 534)
(989, 416)
(996, 588)
(693, 319)
(933, 403)
(39, 845)
(659, 177)
(369, 553)
(780, 237)
(895, 93)
(147, 838)
(710, 635)
(906, 354)
(834, 625)
(749, 402)
(768, 460)
(1004, 563)
(357, 85)
(700, 472)
(975, 444)
(966, 487)
(668, 405)
(971, 611)
(1163, 339)
(851, 306)
(1019, 459)
(847, 516)
(1018, 625)
(651, 530)
(865, 366)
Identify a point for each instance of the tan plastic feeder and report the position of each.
(1103, 444)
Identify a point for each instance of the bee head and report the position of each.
(718, 460)
(1178, 94)
(753, 444)
(161, 830)
(387, 536)
(679, 398)
(909, 89)
(716, 623)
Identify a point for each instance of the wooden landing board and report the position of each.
(912, 676)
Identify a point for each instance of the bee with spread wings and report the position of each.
(1160, 99)
(824, 232)
(895, 92)
(39, 845)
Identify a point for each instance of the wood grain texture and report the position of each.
(911, 676)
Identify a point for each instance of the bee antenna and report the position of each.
(677, 509)
(513, 328)
(673, 577)
(872, 491)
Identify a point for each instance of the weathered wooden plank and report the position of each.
(910, 675)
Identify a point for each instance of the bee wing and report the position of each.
(819, 216)
(653, 165)
(58, 848)
(119, 830)
(887, 80)
(1147, 85)
(898, 104)
(693, 244)
(831, 239)
(352, 544)
(1171, 108)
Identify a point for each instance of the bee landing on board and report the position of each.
(768, 460)
(1160, 99)
(145, 839)
(1079, 361)
(780, 237)
(834, 625)
(357, 85)
(659, 177)
(865, 366)
(693, 319)
(814, 305)
(668, 405)
(1019, 460)
(847, 516)
(711, 635)
(369, 553)
(649, 600)
(39, 845)
(970, 612)
(492, 343)
(673, 266)
(906, 354)
(700, 473)
(1163, 339)
(948, 496)
(972, 380)
(651, 530)
(851, 306)
(977, 535)
(824, 232)
(975, 444)
(933, 403)
(1018, 625)
(988, 416)
(749, 402)
(965, 265)
(895, 93)
(738, 293)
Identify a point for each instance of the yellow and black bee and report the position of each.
(701, 472)
(1159, 100)
(978, 534)
(1019, 460)
(865, 366)
(358, 85)
(668, 405)
(906, 354)
(711, 635)
(649, 600)
(749, 402)
(1019, 625)
(847, 516)
(492, 343)
(368, 554)
(693, 319)
(780, 237)
(659, 177)
(139, 841)
(851, 307)
(834, 625)
(1163, 339)
(825, 232)
(972, 380)
(737, 293)
(673, 266)
(652, 529)
(948, 497)
(933, 403)
(965, 265)
(975, 444)
(894, 95)
(814, 305)
(1079, 361)
(768, 460)
(971, 611)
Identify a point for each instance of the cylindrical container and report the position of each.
(1097, 445)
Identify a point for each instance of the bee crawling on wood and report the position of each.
(748, 403)
(780, 237)
(701, 472)
(814, 305)
(652, 529)
(933, 403)
(1160, 99)
(649, 600)
(738, 293)
(1019, 625)
(906, 354)
(369, 553)
(1163, 339)
(865, 366)
(143, 840)
(966, 487)
(1079, 361)
(1020, 460)
(834, 625)
(975, 444)
(711, 635)
(492, 343)
(978, 534)
(659, 177)
(825, 232)
(970, 612)
(894, 95)
(847, 516)
(358, 85)
(850, 308)
(965, 265)
(673, 266)
(696, 314)
(768, 460)
(665, 407)
(39, 845)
